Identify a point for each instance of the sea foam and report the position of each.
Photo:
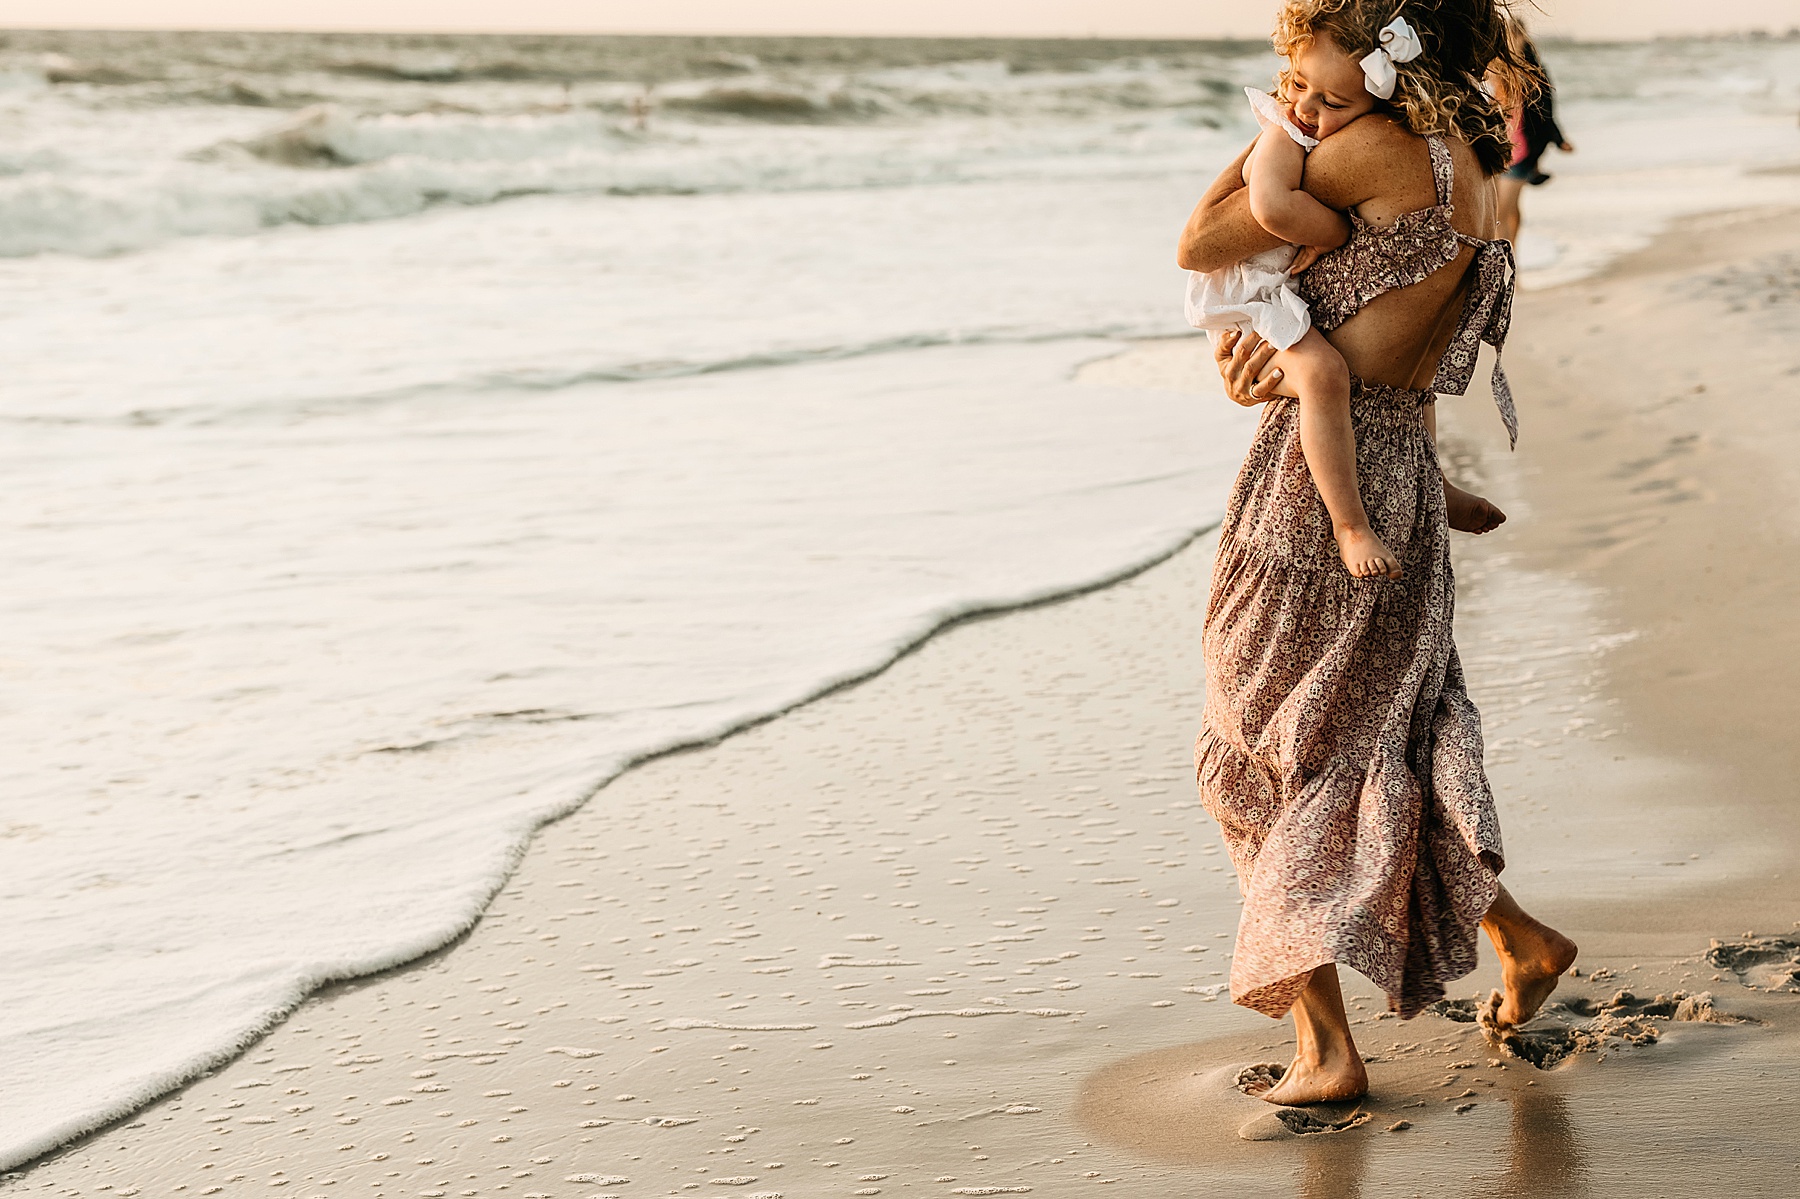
(314, 687)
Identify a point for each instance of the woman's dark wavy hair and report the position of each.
(1439, 92)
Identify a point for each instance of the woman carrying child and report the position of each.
(1339, 751)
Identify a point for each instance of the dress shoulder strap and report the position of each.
(1443, 167)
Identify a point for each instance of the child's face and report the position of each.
(1325, 88)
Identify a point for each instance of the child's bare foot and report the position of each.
(1469, 513)
(1364, 554)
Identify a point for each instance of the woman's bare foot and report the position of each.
(1327, 1068)
(1470, 513)
(1533, 957)
(1332, 1081)
(1365, 555)
(1529, 971)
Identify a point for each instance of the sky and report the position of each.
(1051, 18)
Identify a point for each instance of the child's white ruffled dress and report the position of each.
(1254, 293)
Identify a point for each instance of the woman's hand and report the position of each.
(1242, 360)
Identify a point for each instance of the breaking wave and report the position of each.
(226, 136)
(326, 165)
(120, 141)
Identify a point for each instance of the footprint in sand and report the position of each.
(1285, 1122)
(1278, 1124)
(1763, 963)
(1579, 1025)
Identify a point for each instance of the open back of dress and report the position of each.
(1339, 751)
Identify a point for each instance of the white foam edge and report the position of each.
(154, 1084)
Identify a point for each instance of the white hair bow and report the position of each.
(1396, 43)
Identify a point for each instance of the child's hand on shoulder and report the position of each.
(1306, 256)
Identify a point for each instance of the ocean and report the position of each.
(405, 435)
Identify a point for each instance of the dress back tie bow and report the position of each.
(1396, 43)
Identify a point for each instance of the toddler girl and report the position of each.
(1256, 294)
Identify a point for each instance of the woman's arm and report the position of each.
(1222, 230)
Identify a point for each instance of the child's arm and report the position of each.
(1221, 230)
(1273, 174)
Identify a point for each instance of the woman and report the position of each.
(1339, 752)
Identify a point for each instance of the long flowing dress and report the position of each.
(1339, 752)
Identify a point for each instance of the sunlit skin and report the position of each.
(1370, 164)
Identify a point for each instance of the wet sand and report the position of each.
(962, 929)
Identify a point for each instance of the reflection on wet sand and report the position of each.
(1178, 1104)
(1334, 1167)
(1545, 1158)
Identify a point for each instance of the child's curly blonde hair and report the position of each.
(1439, 92)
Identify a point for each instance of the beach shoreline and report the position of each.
(962, 928)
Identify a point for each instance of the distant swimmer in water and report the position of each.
(1532, 123)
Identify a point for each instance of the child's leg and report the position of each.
(1316, 373)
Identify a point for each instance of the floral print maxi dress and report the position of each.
(1340, 753)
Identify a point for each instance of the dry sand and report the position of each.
(961, 930)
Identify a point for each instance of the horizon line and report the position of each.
(1754, 32)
